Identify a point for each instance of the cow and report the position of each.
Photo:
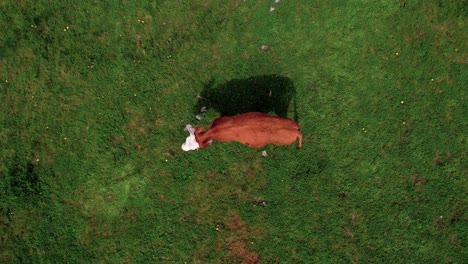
(253, 129)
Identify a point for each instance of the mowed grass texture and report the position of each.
(94, 97)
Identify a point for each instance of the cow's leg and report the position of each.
(299, 136)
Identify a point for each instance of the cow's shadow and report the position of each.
(265, 93)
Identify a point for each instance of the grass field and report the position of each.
(94, 97)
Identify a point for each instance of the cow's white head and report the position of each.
(190, 143)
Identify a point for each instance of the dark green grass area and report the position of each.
(94, 97)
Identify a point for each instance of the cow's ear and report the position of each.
(197, 136)
(198, 130)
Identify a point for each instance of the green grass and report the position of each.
(94, 97)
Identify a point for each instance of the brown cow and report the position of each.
(253, 129)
